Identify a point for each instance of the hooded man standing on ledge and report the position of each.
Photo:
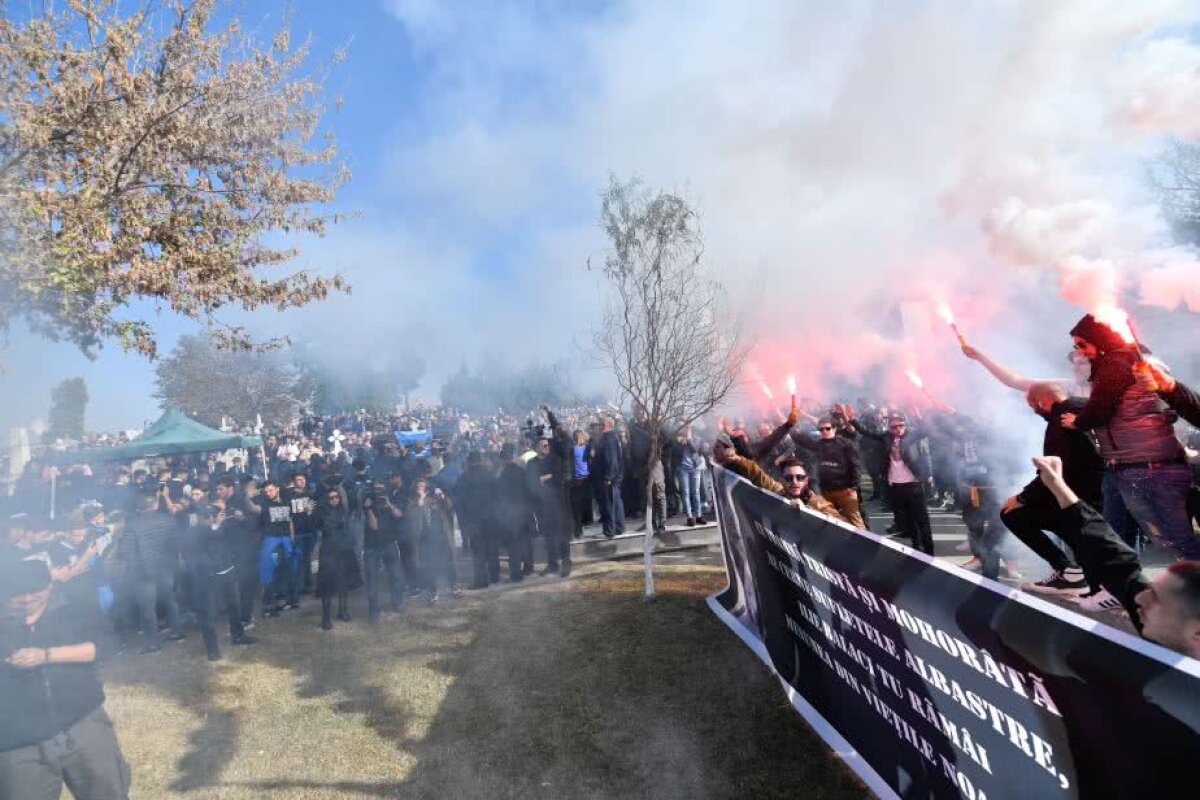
(53, 729)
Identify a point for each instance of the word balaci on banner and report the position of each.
(933, 682)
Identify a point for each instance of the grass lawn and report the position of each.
(555, 689)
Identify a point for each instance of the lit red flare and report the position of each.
(766, 390)
(791, 381)
(1118, 321)
(944, 311)
(915, 378)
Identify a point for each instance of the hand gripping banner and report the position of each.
(930, 681)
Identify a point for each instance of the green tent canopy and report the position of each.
(174, 433)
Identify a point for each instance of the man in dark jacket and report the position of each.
(514, 509)
(610, 471)
(473, 500)
(838, 468)
(149, 552)
(383, 520)
(908, 473)
(1034, 510)
(1147, 468)
(53, 729)
(546, 480)
(209, 556)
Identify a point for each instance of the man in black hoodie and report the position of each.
(1147, 467)
(53, 728)
(1034, 510)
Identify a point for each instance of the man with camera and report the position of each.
(384, 517)
(53, 729)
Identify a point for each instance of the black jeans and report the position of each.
(581, 504)
(485, 555)
(1029, 522)
(386, 557)
(1104, 555)
(912, 515)
(209, 586)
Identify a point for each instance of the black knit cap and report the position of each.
(1093, 330)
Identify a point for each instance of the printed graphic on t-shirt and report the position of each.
(302, 505)
(279, 514)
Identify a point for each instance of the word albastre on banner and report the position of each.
(932, 682)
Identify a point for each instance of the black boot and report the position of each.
(326, 613)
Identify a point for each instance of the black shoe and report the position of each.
(565, 572)
(214, 656)
(244, 640)
(326, 624)
(344, 616)
(292, 606)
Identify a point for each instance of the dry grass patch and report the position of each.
(549, 689)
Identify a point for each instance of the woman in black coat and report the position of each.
(337, 566)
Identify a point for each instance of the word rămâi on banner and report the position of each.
(932, 682)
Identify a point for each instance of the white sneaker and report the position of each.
(1098, 601)
(1069, 582)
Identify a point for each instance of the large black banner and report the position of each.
(934, 682)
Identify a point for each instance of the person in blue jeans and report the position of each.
(278, 535)
(1146, 464)
(689, 475)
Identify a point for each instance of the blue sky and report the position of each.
(842, 155)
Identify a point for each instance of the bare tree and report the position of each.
(666, 335)
(1175, 174)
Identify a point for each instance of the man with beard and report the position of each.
(1147, 466)
(304, 508)
(799, 494)
(1033, 511)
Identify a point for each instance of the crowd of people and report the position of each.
(142, 553)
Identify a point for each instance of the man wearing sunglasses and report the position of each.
(838, 468)
(908, 473)
(799, 493)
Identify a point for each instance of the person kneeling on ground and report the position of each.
(1167, 610)
(53, 728)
